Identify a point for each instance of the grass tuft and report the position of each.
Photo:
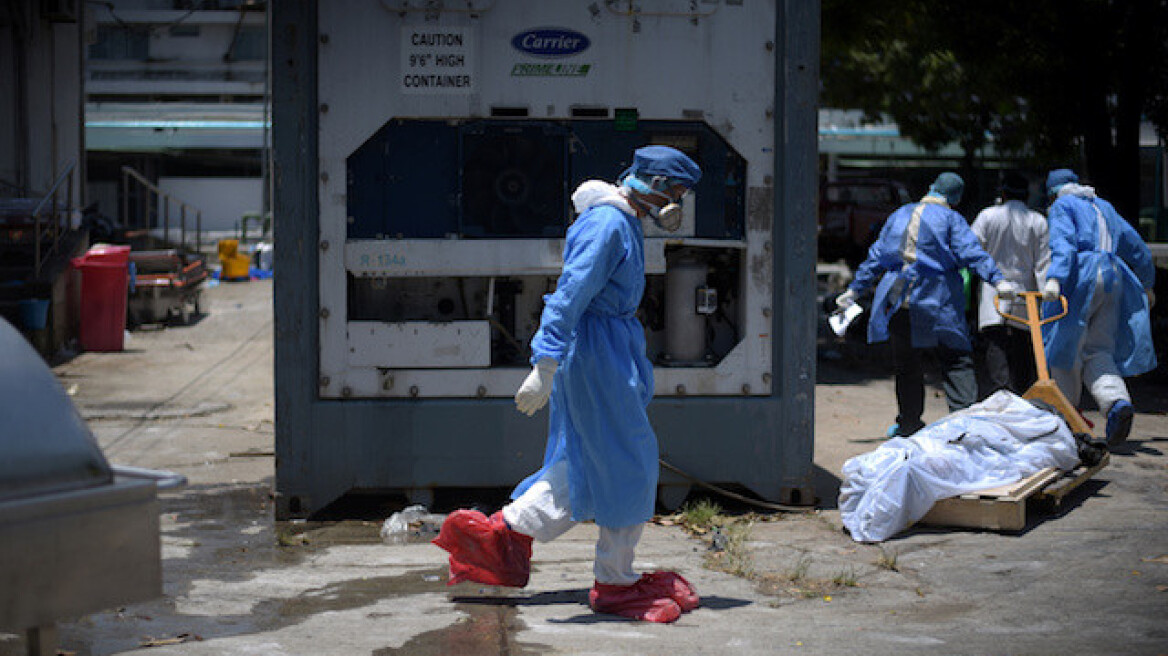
(733, 557)
(700, 516)
(846, 578)
(799, 572)
(888, 560)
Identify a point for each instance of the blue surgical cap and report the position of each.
(950, 186)
(669, 162)
(1058, 178)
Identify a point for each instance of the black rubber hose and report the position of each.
(734, 495)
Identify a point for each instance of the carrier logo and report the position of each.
(550, 42)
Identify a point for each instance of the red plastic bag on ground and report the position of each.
(484, 549)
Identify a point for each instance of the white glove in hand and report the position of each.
(845, 300)
(536, 388)
(1006, 290)
(1052, 290)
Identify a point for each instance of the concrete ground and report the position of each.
(1091, 578)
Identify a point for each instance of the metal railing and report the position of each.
(149, 207)
(56, 226)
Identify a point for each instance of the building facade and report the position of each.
(176, 90)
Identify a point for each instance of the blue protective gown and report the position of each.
(933, 284)
(1077, 259)
(604, 381)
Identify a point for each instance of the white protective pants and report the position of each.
(1095, 363)
(544, 513)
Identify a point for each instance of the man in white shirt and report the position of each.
(1016, 237)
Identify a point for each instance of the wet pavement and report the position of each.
(1088, 578)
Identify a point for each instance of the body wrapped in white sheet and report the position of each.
(996, 442)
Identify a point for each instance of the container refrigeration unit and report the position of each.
(425, 155)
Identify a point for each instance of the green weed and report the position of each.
(700, 515)
(846, 578)
(733, 557)
(799, 572)
(888, 560)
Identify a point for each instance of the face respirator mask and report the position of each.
(667, 217)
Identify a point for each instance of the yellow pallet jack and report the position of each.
(1045, 389)
(1004, 508)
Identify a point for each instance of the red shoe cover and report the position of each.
(672, 585)
(634, 601)
(484, 549)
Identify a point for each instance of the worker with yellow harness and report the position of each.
(919, 301)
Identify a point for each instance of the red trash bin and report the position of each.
(104, 280)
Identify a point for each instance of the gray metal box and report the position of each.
(374, 223)
(68, 554)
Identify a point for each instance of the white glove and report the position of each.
(845, 300)
(1151, 297)
(536, 388)
(1006, 290)
(1052, 290)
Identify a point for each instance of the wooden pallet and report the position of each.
(1054, 493)
(1004, 508)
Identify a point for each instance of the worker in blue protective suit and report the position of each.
(588, 357)
(915, 265)
(1106, 272)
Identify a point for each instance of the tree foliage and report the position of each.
(1063, 82)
